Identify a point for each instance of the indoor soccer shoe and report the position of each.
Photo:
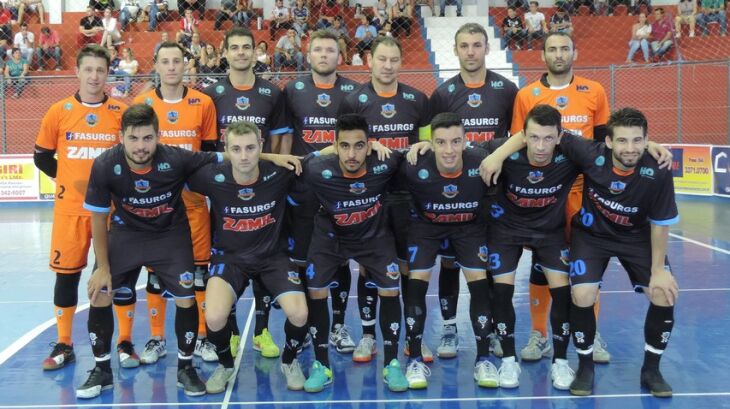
(561, 374)
(188, 379)
(426, 354)
(206, 350)
(294, 377)
(449, 344)
(153, 350)
(582, 385)
(486, 374)
(495, 346)
(219, 379)
(235, 342)
(265, 344)
(509, 373)
(365, 350)
(537, 347)
(127, 357)
(600, 354)
(394, 378)
(655, 383)
(319, 377)
(98, 381)
(416, 374)
(61, 354)
(341, 340)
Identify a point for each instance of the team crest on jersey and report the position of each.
(186, 280)
(299, 85)
(92, 119)
(220, 178)
(246, 193)
(474, 100)
(392, 271)
(600, 161)
(219, 89)
(388, 111)
(561, 101)
(323, 100)
(617, 187)
(535, 176)
(173, 117)
(326, 174)
(293, 276)
(67, 106)
(483, 253)
(565, 256)
(536, 91)
(142, 186)
(362, 98)
(358, 188)
(452, 87)
(450, 191)
(242, 103)
(148, 101)
(117, 169)
(514, 156)
(423, 174)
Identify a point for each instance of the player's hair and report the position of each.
(351, 122)
(168, 44)
(626, 117)
(139, 115)
(445, 120)
(385, 40)
(237, 32)
(557, 34)
(323, 34)
(242, 128)
(472, 28)
(92, 50)
(544, 115)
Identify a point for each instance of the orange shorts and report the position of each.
(70, 243)
(572, 206)
(199, 220)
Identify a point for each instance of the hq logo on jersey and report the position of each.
(450, 191)
(358, 188)
(561, 101)
(388, 111)
(92, 119)
(474, 100)
(323, 100)
(617, 187)
(142, 186)
(242, 103)
(535, 176)
(392, 271)
(246, 193)
(173, 117)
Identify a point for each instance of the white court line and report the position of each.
(239, 356)
(361, 401)
(699, 243)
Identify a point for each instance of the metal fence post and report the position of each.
(727, 63)
(679, 102)
(612, 98)
(3, 114)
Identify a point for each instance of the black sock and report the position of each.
(657, 330)
(294, 338)
(340, 294)
(449, 294)
(390, 317)
(222, 341)
(233, 322)
(560, 321)
(481, 315)
(504, 317)
(186, 330)
(319, 319)
(101, 328)
(367, 303)
(583, 326)
(263, 307)
(415, 315)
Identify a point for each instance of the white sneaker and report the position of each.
(537, 347)
(495, 347)
(486, 375)
(365, 350)
(294, 376)
(449, 344)
(509, 373)
(341, 340)
(153, 350)
(561, 374)
(219, 380)
(206, 350)
(416, 374)
(600, 354)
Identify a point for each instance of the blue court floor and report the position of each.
(697, 362)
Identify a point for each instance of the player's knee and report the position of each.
(131, 300)
(216, 318)
(388, 293)
(66, 290)
(659, 298)
(185, 302)
(474, 275)
(299, 315)
(584, 295)
(556, 279)
(319, 293)
(419, 275)
(102, 300)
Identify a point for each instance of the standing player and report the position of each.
(77, 129)
(483, 99)
(584, 108)
(244, 97)
(398, 116)
(312, 103)
(189, 123)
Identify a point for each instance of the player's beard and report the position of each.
(146, 161)
(629, 162)
(350, 164)
(567, 66)
(323, 73)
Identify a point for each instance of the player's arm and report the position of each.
(290, 162)
(662, 155)
(45, 160)
(491, 166)
(285, 143)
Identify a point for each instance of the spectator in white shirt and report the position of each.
(280, 18)
(111, 35)
(25, 41)
(536, 25)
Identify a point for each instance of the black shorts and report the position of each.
(398, 212)
(299, 226)
(377, 256)
(271, 271)
(169, 254)
(589, 257)
(505, 250)
(468, 242)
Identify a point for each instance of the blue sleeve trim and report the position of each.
(667, 222)
(316, 153)
(279, 131)
(291, 201)
(220, 157)
(96, 209)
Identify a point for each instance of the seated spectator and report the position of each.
(327, 12)
(640, 36)
(196, 46)
(280, 18)
(113, 62)
(443, 4)
(191, 68)
(164, 37)
(238, 11)
(613, 3)
(415, 5)
(29, 6)
(560, 22)
(401, 17)
(90, 28)
(193, 5)
(111, 34)
(6, 25)
(517, 4)
(263, 62)
(16, 68)
(686, 13)
(343, 38)
(49, 46)
(288, 52)
(567, 5)
(100, 5)
(126, 68)
(210, 61)
(155, 12)
(128, 12)
(513, 29)
(661, 33)
(535, 23)
(25, 41)
(381, 13)
(712, 12)
(188, 27)
(300, 13)
(385, 30)
(637, 6)
(364, 35)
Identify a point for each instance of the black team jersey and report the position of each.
(312, 110)
(447, 199)
(247, 219)
(263, 104)
(485, 109)
(351, 207)
(394, 120)
(621, 204)
(530, 200)
(147, 201)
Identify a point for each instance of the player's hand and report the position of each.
(100, 279)
(662, 155)
(663, 280)
(417, 149)
(290, 162)
(490, 169)
(381, 150)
